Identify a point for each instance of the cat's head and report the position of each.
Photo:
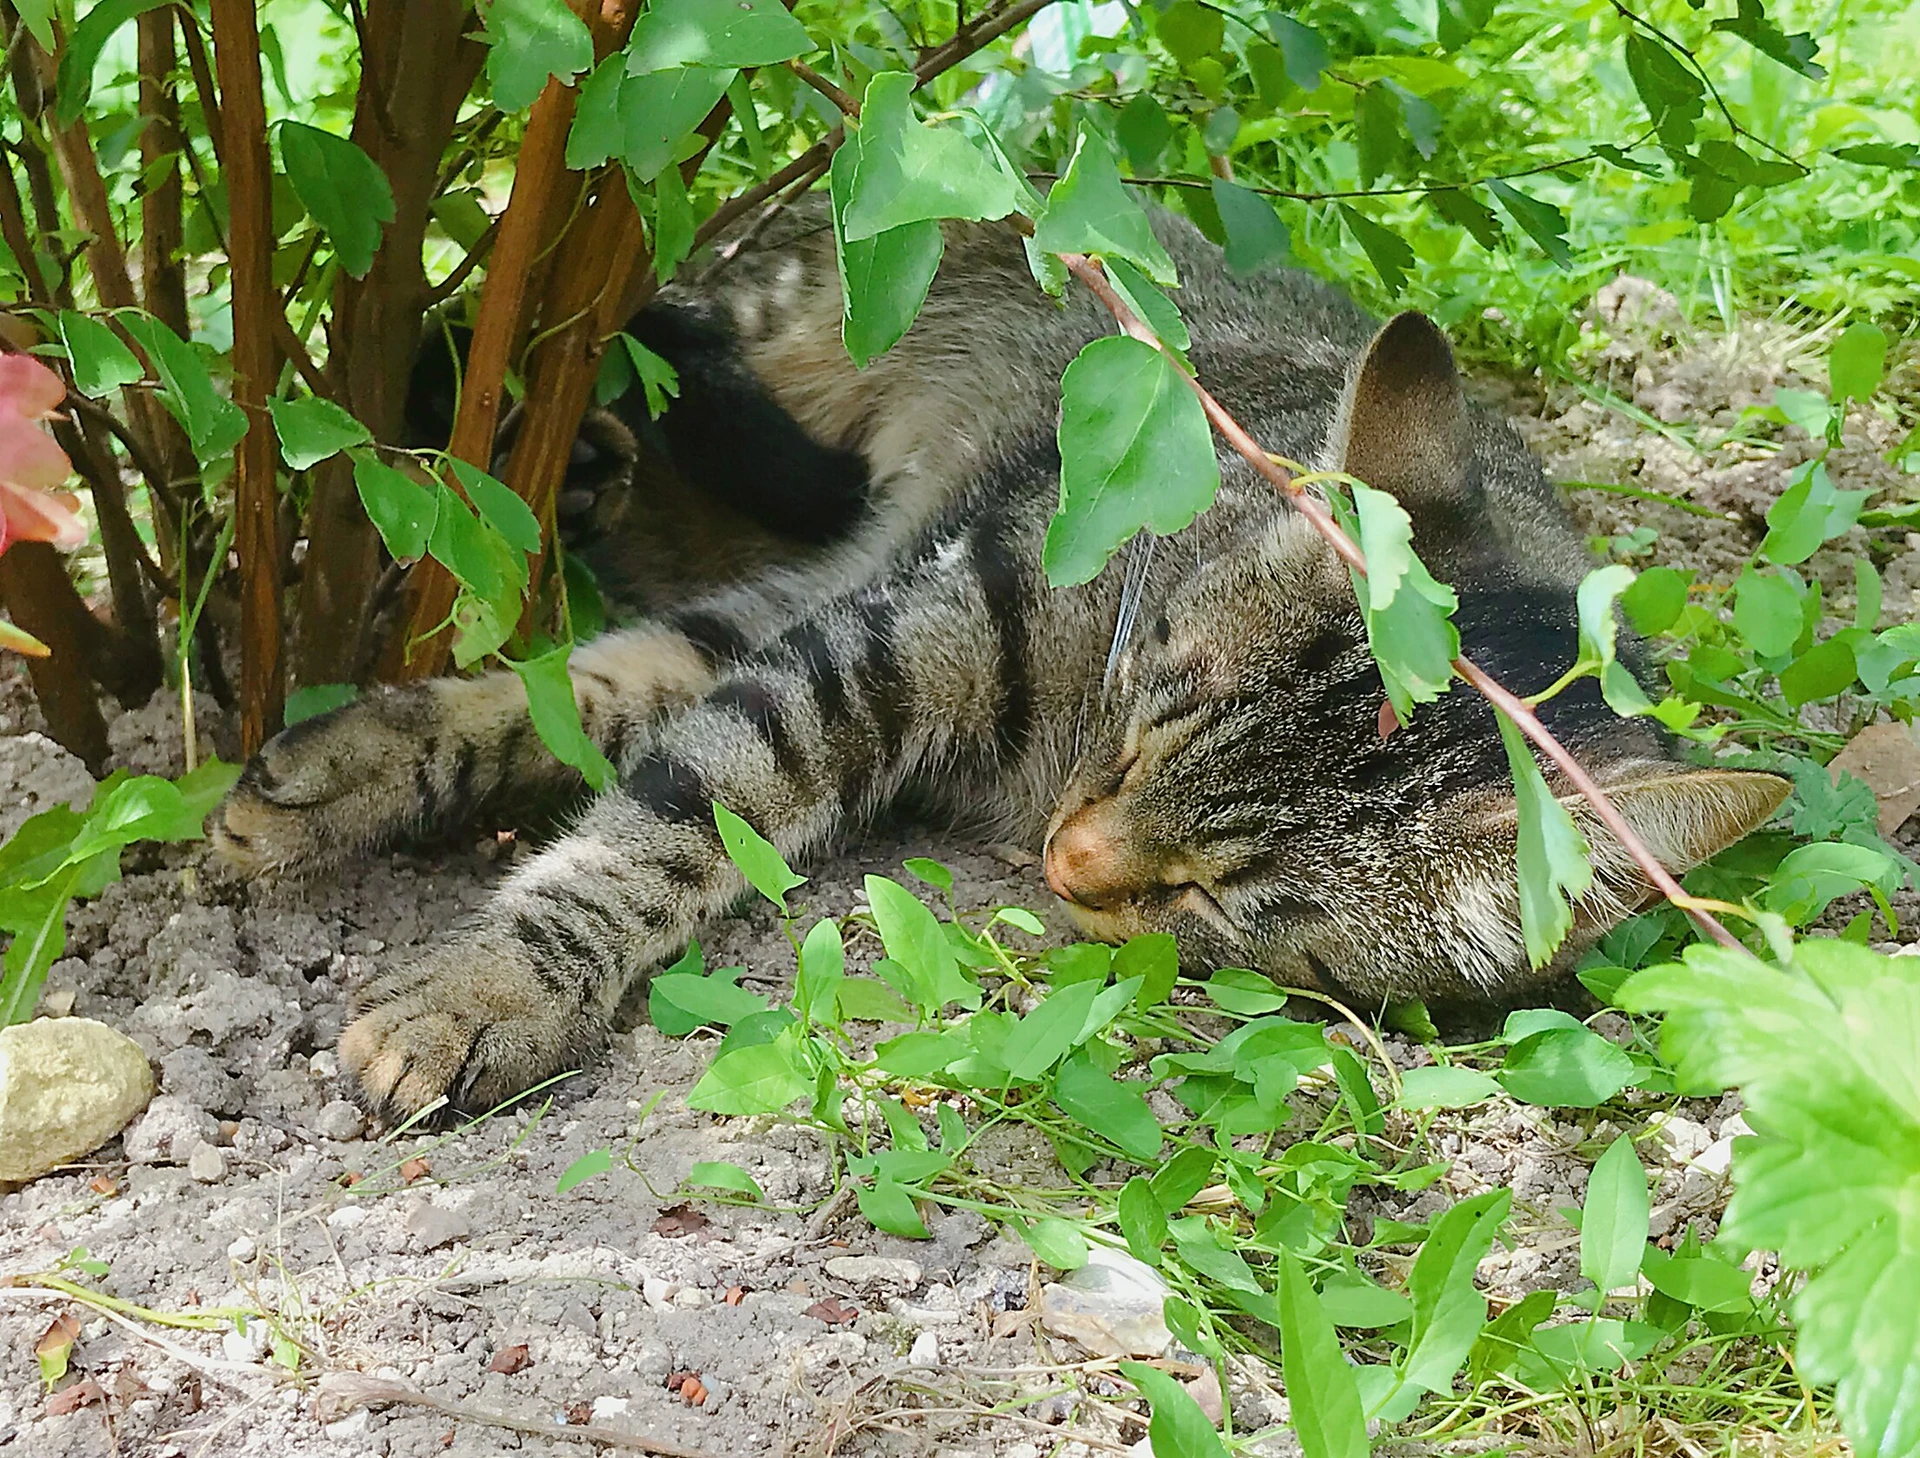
(1246, 789)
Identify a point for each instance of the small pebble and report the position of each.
(875, 1270)
(340, 1120)
(207, 1164)
(925, 1351)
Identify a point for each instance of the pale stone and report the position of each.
(67, 1086)
(925, 1351)
(207, 1164)
(875, 1271)
(1112, 1306)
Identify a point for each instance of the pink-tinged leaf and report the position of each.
(28, 455)
(39, 516)
(29, 386)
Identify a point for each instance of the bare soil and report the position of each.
(450, 1264)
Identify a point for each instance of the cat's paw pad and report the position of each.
(320, 791)
(470, 1022)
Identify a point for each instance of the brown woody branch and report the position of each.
(40, 598)
(249, 177)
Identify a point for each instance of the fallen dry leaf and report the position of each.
(55, 1345)
(694, 1391)
(510, 1359)
(579, 1414)
(415, 1169)
(1885, 758)
(735, 1295)
(832, 1312)
(104, 1185)
(72, 1399)
(679, 1220)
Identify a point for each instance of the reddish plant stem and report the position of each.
(249, 178)
(1524, 719)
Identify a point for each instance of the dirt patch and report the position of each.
(253, 1185)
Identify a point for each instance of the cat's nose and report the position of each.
(1083, 864)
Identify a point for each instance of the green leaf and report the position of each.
(1448, 1311)
(908, 172)
(1445, 1088)
(1142, 1221)
(1115, 1110)
(401, 509)
(556, 716)
(1542, 222)
(499, 506)
(1155, 959)
(1673, 95)
(1656, 599)
(587, 1166)
(1767, 612)
(528, 41)
(1459, 21)
(37, 16)
(1808, 513)
(312, 429)
(764, 867)
(1376, 132)
(1881, 154)
(1822, 672)
(870, 1000)
(1044, 1036)
(101, 363)
(213, 423)
(1565, 1068)
(762, 1078)
(84, 43)
(1809, 877)
(732, 33)
(1409, 616)
(642, 120)
(313, 699)
(915, 939)
(1190, 31)
(1386, 250)
(1143, 131)
(38, 920)
(1307, 55)
(1613, 1218)
(673, 226)
(1796, 52)
(822, 967)
(883, 279)
(724, 1174)
(1090, 210)
(889, 1206)
(1460, 207)
(1703, 1280)
(1155, 309)
(1599, 630)
(342, 187)
(1135, 451)
(1552, 853)
(1857, 362)
(1177, 1427)
(1351, 1300)
(658, 378)
(1324, 1395)
(1177, 1181)
(1256, 238)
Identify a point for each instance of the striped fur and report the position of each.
(1232, 787)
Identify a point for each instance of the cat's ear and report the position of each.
(1687, 815)
(1402, 425)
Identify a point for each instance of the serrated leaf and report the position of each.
(1376, 132)
(1409, 616)
(642, 120)
(1256, 238)
(1090, 210)
(1386, 250)
(1306, 53)
(1540, 221)
(342, 188)
(1135, 451)
(311, 430)
(731, 33)
(1460, 207)
(1673, 95)
(909, 172)
(1796, 52)
(528, 41)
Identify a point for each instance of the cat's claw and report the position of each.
(325, 789)
(470, 1021)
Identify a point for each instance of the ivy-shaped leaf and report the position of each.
(1409, 616)
(909, 172)
(731, 33)
(528, 41)
(883, 279)
(1090, 210)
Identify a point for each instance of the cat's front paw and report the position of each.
(329, 787)
(470, 1020)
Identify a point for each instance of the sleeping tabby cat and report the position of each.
(887, 637)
